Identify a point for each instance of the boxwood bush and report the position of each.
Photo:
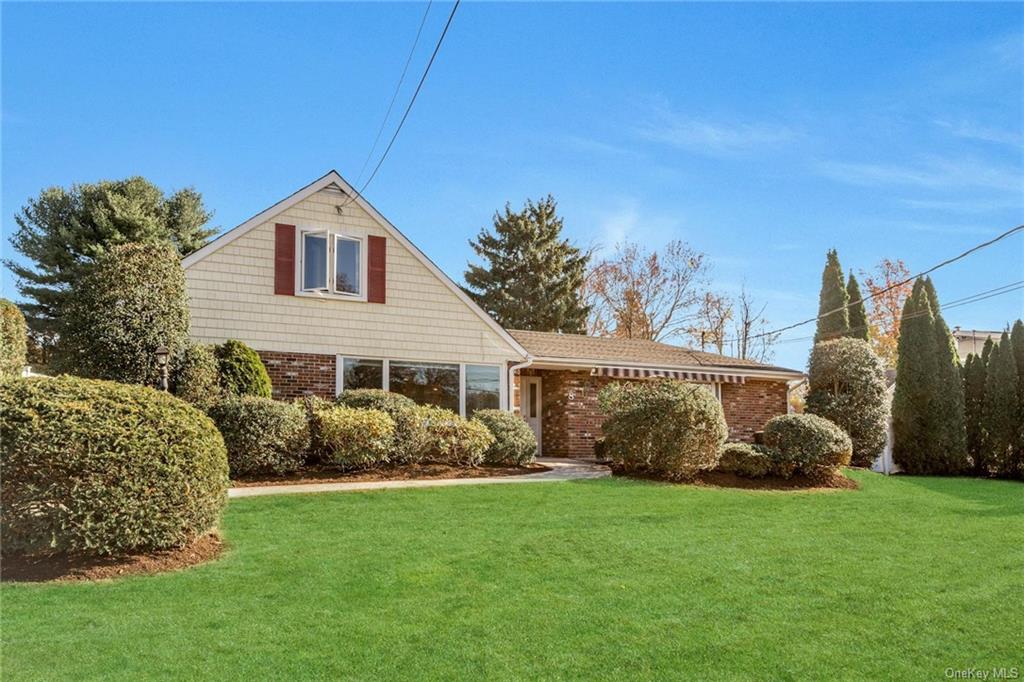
(241, 370)
(100, 467)
(195, 376)
(743, 459)
(663, 427)
(453, 440)
(514, 440)
(806, 443)
(411, 437)
(262, 436)
(351, 437)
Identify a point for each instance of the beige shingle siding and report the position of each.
(232, 296)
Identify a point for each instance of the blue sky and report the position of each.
(761, 134)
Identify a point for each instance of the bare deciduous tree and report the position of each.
(709, 325)
(752, 340)
(645, 295)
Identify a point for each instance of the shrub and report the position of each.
(452, 439)
(241, 370)
(101, 467)
(130, 302)
(806, 443)
(742, 459)
(194, 375)
(411, 437)
(664, 427)
(847, 387)
(351, 437)
(514, 440)
(13, 340)
(262, 436)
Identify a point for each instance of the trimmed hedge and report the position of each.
(743, 459)
(514, 440)
(241, 370)
(806, 443)
(453, 440)
(262, 436)
(411, 437)
(664, 427)
(105, 468)
(351, 437)
(195, 375)
(13, 340)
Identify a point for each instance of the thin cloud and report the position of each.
(972, 131)
(711, 137)
(932, 174)
(965, 205)
(592, 146)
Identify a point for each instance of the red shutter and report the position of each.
(284, 260)
(376, 266)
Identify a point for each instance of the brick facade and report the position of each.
(293, 375)
(571, 420)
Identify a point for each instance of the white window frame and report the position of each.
(301, 270)
(332, 237)
(339, 375)
(361, 284)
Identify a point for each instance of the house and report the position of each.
(972, 341)
(333, 297)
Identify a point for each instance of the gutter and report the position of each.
(511, 377)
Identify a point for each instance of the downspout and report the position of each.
(511, 377)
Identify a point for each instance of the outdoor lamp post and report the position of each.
(161, 361)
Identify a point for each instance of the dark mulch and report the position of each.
(326, 474)
(64, 567)
(722, 479)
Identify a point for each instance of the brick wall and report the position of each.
(571, 419)
(293, 375)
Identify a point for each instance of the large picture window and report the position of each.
(426, 383)
(358, 373)
(483, 388)
(332, 264)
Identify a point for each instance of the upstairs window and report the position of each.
(332, 264)
(314, 261)
(346, 265)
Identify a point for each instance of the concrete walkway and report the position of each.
(561, 470)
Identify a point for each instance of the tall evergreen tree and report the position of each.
(834, 319)
(1017, 342)
(858, 314)
(974, 399)
(915, 384)
(1001, 412)
(63, 231)
(949, 424)
(532, 276)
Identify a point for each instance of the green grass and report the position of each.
(603, 579)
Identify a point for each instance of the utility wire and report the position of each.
(394, 96)
(415, 94)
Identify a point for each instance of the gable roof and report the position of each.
(641, 353)
(333, 178)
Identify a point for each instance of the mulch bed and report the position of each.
(722, 479)
(64, 567)
(325, 474)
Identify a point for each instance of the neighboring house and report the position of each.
(333, 297)
(972, 340)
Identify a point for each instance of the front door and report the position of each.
(530, 405)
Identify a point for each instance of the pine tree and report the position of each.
(532, 276)
(1001, 411)
(974, 399)
(915, 384)
(834, 318)
(858, 314)
(1017, 342)
(950, 431)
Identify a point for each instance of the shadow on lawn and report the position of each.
(998, 497)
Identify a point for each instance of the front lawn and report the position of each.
(604, 579)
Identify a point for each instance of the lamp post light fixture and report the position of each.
(161, 361)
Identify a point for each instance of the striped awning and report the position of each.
(681, 375)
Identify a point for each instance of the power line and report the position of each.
(878, 293)
(394, 96)
(412, 101)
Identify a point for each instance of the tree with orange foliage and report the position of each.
(887, 301)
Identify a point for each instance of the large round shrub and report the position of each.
(411, 437)
(106, 468)
(806, 443)
(743, 459)
(263, 436)
(847, 387)
(130, 302)
(514, 440)
(351, 437)
(242, 372)
(13, 340)
(663, 427)
(453, 440)
(195, 375)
